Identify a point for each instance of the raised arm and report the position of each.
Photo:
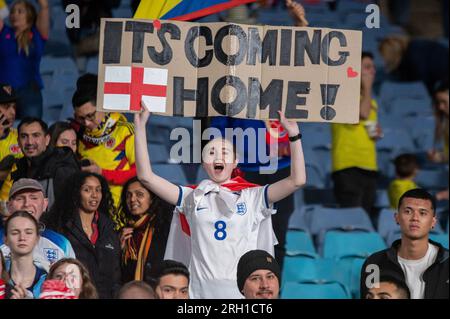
(297, 179)
(160, 186)
(43, 19)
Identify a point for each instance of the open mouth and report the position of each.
(218, 168)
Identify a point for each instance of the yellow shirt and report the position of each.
(115, 153)
(352, 146)
(9, 146)
(397, 188)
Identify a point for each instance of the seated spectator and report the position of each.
(258, 275)
(136, 290)
(83, 216)
(105, 139)
(441, 107)
(62, 134)
(21, 49)
(49, 166)
(145, 237)
(406, 168)
(389, 287)
(22, 236)
(28, 195)
(415, 259)
(415, 60)
(76, 277)
(170, 280)
(9, 146)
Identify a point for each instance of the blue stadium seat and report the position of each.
(299, 241)
(440, 238)
(422, 131)
(321, 219)
(391, 91)
(410, 107)
(308, 267)
(158, 153)
(432, 179)
(396, 141)
(315, 290)
(340, 245)
(387, 223)
(172, 172)
(315, 179)
(297, 220)
(435, 233)
(382, 199)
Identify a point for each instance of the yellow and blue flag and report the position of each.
(183, 10)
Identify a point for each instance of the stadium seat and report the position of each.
(172, 172)
(410, 107)
(435, 233)
(396, 141)
(422, 131)
(309, 267)
(387, 223)
(315, 290)
(339, 244)
(299, 241)
(158, 153)
(431, 179)
(382, 199)
(314, 176)
(321, 219)
(390, 91)
(441, 239)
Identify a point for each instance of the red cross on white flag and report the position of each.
(126, 87)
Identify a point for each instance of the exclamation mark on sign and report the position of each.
(329, 92)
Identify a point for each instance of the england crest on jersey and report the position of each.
(241, 209)
(51, 254)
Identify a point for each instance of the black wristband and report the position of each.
(296, 137)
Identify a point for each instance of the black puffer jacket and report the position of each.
(52, 168)
(103, 259)
(435, 277)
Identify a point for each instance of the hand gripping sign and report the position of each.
(221, 69)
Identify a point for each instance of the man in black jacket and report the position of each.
(423, 264)
(50, 166)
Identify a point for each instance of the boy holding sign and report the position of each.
(223, 217)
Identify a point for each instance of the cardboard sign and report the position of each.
(213, 69)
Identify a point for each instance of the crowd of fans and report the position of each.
(84, 216)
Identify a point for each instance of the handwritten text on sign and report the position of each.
(245, 71)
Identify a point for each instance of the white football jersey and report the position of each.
(51, 247)
(224, 226)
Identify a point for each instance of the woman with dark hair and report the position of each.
(76, 277)
(83, 215)
(144, 238)
(63, 134)
(21, 49)
(21, 236)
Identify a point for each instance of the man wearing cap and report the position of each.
(258, 275)
(9, 147)
(28, 194)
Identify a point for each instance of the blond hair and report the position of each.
(392, 50)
